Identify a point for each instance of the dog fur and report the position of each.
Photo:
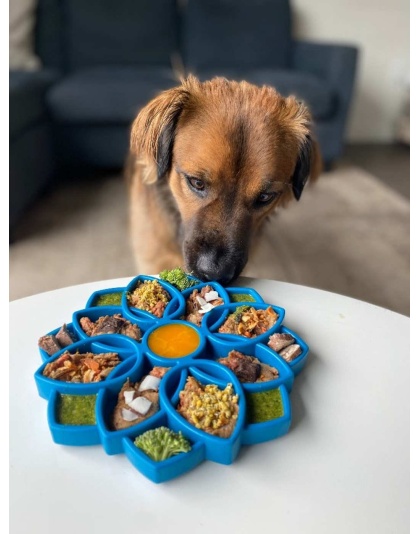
(209, 162)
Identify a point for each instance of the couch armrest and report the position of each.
(336, 64)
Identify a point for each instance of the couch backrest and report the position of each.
(236, 33)
(74, 34)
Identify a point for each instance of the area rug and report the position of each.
(348, 234)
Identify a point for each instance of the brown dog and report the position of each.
(211, 161)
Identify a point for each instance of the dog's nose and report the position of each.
(208, 268)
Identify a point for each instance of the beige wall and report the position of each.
(380, 28)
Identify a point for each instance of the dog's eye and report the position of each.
(196, 183)
(265, 198)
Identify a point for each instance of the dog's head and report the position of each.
(231, 152)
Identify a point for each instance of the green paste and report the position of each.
(264, 406)
(242, 297)
(109, 299)
(76, 410)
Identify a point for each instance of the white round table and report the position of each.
(342, 468)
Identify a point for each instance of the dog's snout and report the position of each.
(208, 267)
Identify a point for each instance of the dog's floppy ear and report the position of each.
(153, 132)
(309, 165)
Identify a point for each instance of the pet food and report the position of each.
(248, 368)
(201, 302)
(248, 322)
(86, 367)
(110, 324)
(54, 343)
(149, 296)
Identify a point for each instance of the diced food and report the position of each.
(82, 368)
(110, 324)
(248, 322)
(278, 342)
(178, 278)
(149, 296)
(264, 406)
(109, 299)
(76, 409)
(285, 345)
(201, 302)
(208, 408)
(247, 368)
(291, 352)
(54, 343)
(162, 443)
(139, 401)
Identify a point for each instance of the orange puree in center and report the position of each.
(174, 340)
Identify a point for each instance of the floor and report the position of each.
(390, 163)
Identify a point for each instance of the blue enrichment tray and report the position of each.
(137, 359)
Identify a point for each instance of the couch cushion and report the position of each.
(112, 95)
(27, 98)
(313, 91)
(122, 32)
(237, 34)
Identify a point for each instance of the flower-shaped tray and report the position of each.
(137, 359)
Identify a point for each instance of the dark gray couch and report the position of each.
(104, 59)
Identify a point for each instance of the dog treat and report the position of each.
(137, 402)
(86, 367)
(248, 368)
(248, 322)
(201, 302)
(291, 352)
(285, 345)
(54, 343)
(110, 324)
(278, 342)
(208, 408)
(149, 296)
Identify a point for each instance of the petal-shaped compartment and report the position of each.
(246, 374)
(297, 364)
(170, 342)
(71, 419)
(106, 297)
(127, 350)
(230, 315)
(111, 437)
(44, 355)
(269, 415)
(218, 449)
(164, 470)
(192, 314)
(94, 314)
(243, 294)
(173, 310)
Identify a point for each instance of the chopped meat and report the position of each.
(193, 306)
(248, 368)
(249, 322)
(110, 324)
(65, 337)
(291, 352)
(159, 372)
(278, 342)
(117, 420)
(50, 344)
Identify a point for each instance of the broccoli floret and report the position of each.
(178, 278)
(162, 443)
